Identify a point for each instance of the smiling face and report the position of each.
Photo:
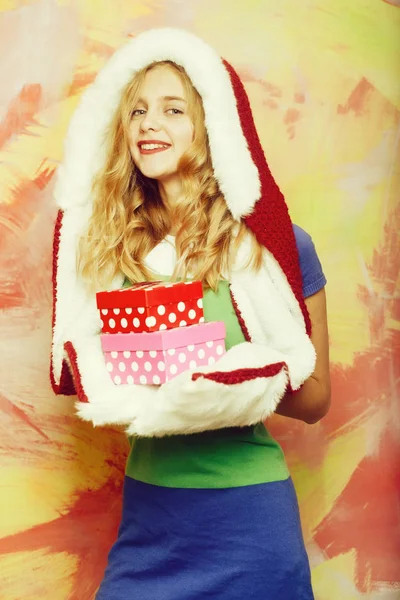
(161, 129)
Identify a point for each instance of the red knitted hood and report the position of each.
(270, 304)
(238, 159)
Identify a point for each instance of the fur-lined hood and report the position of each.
(270, 305)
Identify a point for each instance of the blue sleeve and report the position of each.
(311, 269)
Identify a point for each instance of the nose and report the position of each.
(150, 122)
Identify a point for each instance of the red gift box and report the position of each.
(151, 306)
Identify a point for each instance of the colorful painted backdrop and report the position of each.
(324, 80)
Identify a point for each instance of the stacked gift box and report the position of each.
(153, 331)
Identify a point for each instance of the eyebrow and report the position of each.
(166, 98)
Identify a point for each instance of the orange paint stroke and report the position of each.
(273, 90)
(299, 98)
(365, 518)
(99, 48)
(87, 531)
(291, 116)
(8, 407)
(373, 380)
(16, 220)
(21, 112)
(80, 82)
(357, 100)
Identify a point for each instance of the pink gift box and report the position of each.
(154, 358)
(151, 306)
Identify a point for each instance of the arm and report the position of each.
(312, 401)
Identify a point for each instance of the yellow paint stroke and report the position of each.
(38, 493)
(6, 5)
(318, 489)
(328, 38)
(23, 156)
(106, 21)
(334, 579)
(37, 574)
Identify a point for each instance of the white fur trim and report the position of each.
(272, 314)
(73, 303)
(84, 149)
(183, 406)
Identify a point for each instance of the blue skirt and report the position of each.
(198, 544)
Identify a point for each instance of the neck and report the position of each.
(171, 193)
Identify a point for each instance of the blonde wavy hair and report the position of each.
(129, 217)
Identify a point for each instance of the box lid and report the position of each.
(150, 293)
(162, 340)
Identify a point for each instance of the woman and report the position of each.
(164, 176)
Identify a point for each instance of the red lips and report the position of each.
(162, 146)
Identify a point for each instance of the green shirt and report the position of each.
(224, 458)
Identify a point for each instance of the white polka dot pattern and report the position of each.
(150, 321)
(155, 367)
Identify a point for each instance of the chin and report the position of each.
(158, 173)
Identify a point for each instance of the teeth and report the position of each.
(152, 146)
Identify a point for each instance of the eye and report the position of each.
(174, 111)
(138, 112)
